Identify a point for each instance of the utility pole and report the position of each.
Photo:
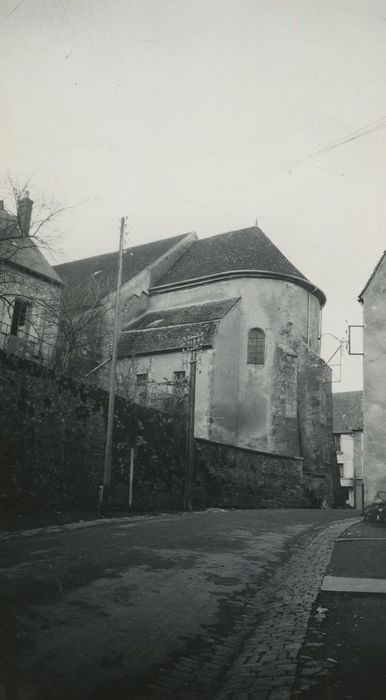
(194, 347)
(103, 498)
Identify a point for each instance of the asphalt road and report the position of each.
(129, 610)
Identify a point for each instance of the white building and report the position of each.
(348, 434)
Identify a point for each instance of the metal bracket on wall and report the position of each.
(342, 343)
(351, 340)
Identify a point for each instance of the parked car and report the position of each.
(376, 512)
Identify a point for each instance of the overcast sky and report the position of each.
(200, 115)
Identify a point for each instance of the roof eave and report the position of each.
(122, 355)
(207, 279)
(34, 273)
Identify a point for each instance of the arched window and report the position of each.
(256, 347)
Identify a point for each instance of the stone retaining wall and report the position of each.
(52, 445)
(228, 476)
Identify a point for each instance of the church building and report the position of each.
(256, 319)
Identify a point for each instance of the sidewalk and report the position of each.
(343, 656)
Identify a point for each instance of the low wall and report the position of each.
(233, 477)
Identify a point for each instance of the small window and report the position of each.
(20, 316)
(341, 469)
(179, 376)
(256, 347)
(338, 444)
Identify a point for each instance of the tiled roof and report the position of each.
(154, 340)
(347, 411)
(135, 260)
(248, 249)
(174, 328)
(24, 252)
(194, 313)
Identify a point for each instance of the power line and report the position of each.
(370, 128)
(367, 129)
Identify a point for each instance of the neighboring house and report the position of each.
(373, 299)
(29, 289)
(348, 435)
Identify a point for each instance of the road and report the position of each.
(157, 606)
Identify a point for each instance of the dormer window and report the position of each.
(256, 347)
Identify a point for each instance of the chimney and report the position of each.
(24, 213)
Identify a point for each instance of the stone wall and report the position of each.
(234, 477)
(320, 470)
(52, 445)
(52, 453)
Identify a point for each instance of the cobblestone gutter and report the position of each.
(260, 664)
(265, 666)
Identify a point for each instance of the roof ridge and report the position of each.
(115, 252)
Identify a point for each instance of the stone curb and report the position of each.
(81, 524)
(265, 667)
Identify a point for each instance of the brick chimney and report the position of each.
(24, 213)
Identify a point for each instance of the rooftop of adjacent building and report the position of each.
(347, 411)
(20, 249)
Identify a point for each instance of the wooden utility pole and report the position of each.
(104, 489)
(193, 349)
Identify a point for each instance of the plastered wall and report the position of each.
(41, 326)
(253, 406)
(374, 388)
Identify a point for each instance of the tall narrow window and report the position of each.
(20, 316)
(256, 347)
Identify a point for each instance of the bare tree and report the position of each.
(27, 281)
(82, 317)
(24, 224)
(126, 384)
